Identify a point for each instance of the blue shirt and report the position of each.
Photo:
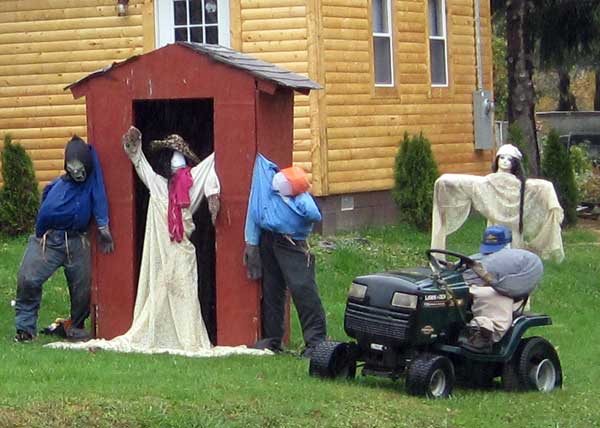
(69, 205)
(267, 209)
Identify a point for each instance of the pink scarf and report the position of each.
(179, 197)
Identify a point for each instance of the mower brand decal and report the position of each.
(435, 297)
(436, 304)
(443, 303)
(427, 330)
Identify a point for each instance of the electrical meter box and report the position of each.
(483, 119)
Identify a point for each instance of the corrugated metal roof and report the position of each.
(261, 69)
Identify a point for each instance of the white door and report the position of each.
(201, 21)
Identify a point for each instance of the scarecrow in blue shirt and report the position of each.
(68, 204)
(281, 214)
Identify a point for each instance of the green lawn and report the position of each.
(54, 388)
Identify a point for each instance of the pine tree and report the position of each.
(557, 167)
(19, 197)
(415, 173)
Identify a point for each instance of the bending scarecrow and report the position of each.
(280, 216)
(68, 205)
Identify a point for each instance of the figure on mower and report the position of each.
(428, 324)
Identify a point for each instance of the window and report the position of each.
(438, 52)
(201, 21)
(382, 43)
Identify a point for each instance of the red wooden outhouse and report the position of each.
(218, 100)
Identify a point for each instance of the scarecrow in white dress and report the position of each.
(530, 208)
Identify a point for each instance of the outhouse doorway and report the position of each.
(192, 119)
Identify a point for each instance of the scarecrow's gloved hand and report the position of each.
(253, 262)
(105, 241)
(132, 140)
(480, 270)
(214, 205)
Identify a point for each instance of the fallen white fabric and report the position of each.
(497, 197)
(167, 316)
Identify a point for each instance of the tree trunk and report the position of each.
(597, 93)
(566, 99)
(521, 93)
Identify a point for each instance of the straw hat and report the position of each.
(175, 142)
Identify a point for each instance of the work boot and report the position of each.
(77, 335)
(272, 344)
(479, 340)
(24, 337)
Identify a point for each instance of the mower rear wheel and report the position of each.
(331, 360)
(539, 366)
(431, 376)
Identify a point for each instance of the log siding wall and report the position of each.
(46, 45)
(346, 135)
(366, 123)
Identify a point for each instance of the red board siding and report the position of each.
(242, 114)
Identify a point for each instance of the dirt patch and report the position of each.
(592, 225)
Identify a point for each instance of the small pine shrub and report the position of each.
(557, 167)
(19, 196)
(580, 159)
(415, 172)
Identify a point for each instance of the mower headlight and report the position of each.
(402, 300)
(357, 291)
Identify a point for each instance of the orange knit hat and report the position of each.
(297, 178)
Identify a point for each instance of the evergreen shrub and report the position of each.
(415, 172)
(19, 196)
(586, 178)
(557, 167)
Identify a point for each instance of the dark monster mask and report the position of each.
(78, 160)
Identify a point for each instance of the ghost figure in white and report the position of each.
(529, 207)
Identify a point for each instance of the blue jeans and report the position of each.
(42, 258)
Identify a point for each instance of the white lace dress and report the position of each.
(497, 197)
(167, 317)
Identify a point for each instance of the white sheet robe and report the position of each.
(497, 197)
(167, 317)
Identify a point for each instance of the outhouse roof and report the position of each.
(256, 67)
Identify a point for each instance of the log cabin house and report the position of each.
(386, 66)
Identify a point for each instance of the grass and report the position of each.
(41, 387)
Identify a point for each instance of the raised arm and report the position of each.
(132, 144)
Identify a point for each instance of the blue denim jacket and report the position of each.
(267, 209)
(69, 205)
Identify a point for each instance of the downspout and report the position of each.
(478, 60)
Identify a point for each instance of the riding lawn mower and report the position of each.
(410, 323)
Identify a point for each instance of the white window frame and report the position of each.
(388, 35)
(165, 22)
(444, 38)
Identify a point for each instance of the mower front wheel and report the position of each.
(430, 376)
(331, 360)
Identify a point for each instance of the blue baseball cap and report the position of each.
(494, 239)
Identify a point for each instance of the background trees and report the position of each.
(559, 34)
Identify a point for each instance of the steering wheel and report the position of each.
(464, 262)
